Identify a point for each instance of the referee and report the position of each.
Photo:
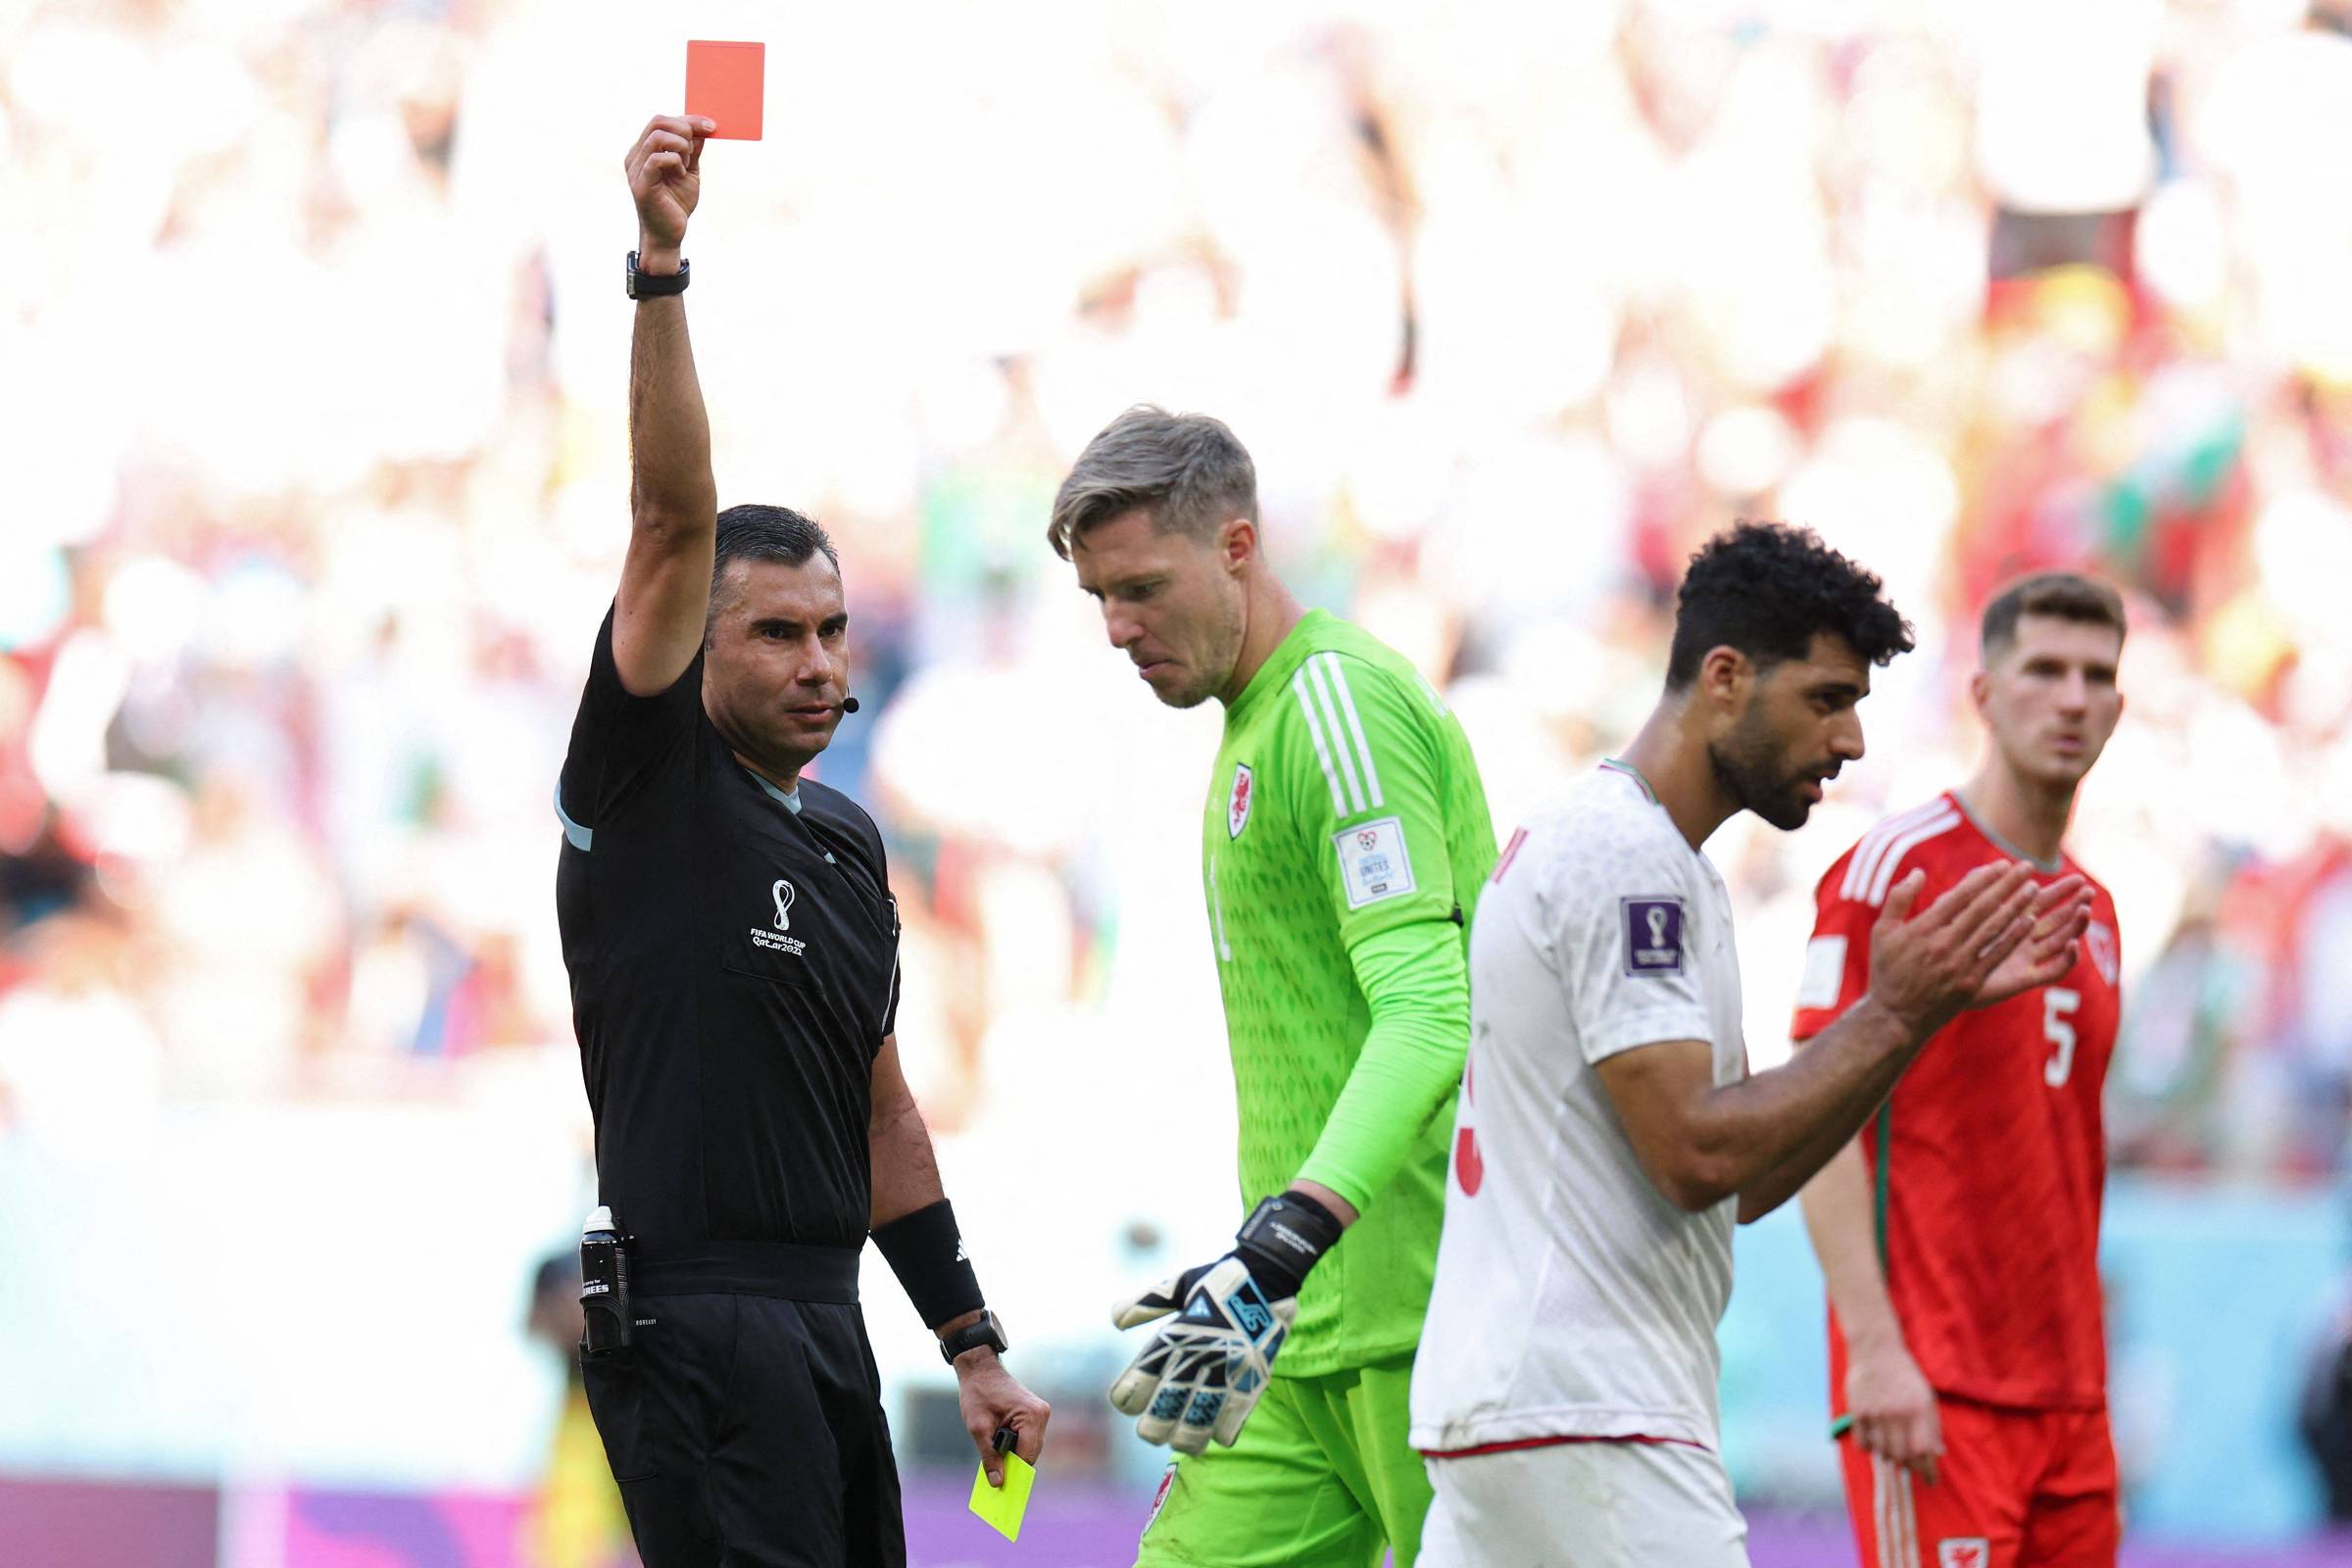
(733, 951)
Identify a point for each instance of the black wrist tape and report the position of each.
(1283, 1238)
(926, 1253)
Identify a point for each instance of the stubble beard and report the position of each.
(1227, 646)
(1749, 767)
(748, 733)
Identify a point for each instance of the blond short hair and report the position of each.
(1190, 471)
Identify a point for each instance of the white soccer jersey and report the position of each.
(1572, 1300)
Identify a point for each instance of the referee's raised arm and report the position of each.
(665, 596)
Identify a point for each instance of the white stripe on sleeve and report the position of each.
(1864, 863)
(1320, 683)
(1314, 730)
(1355, 725)
(1882, 881)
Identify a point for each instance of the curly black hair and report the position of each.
(1765, 588)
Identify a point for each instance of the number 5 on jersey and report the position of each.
(2057, 1026)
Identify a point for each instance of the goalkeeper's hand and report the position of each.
(1205, 1369)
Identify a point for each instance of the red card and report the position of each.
(727, 82)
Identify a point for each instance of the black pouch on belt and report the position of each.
(607, 1317)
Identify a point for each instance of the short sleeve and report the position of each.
(1362, 762)
(1837, 969)
(621, 743)
(890, 909)
(1624, 937)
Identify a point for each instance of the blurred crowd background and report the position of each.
(314, 439)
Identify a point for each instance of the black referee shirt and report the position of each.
(734, 968)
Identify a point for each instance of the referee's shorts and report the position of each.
(747, 1428)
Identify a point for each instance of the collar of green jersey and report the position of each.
(1281, 664)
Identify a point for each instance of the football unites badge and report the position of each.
(1374, 863)
(1237, 804)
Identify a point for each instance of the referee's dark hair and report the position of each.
(1766, 588)
(761, 533)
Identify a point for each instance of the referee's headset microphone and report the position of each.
(849, 705)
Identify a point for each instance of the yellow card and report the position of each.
(1002, 1506)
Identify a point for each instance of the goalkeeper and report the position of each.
(1343, 844)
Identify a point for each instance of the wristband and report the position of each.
(1283, 1238)
(925, 1251)
(654, 285)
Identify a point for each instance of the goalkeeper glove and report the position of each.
(1203, 1370)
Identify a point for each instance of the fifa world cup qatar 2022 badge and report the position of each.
(777, 940)
(1237, 804)
(1653, 935)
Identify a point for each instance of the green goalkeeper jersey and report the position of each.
(1344, 806)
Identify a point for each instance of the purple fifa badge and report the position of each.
(1653, 935)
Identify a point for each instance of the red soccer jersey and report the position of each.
(1992, 1146)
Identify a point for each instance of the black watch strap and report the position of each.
(653, 285)
(988, 1330)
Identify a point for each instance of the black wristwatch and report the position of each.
(653, 285)
(988, 1330)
